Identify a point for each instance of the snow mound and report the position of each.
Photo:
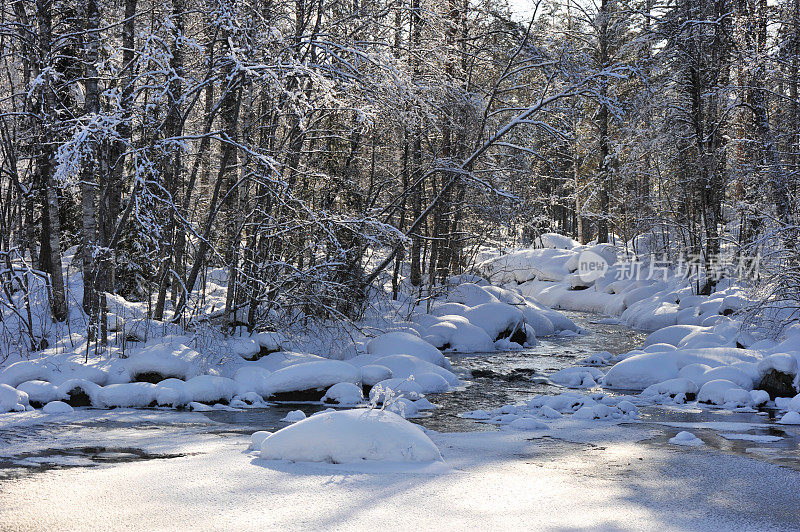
(57, 407)
(403, 343)
(163, 361)
(12, 400)
(790, 418)
(686, 438)
(344, 393)
(351, 436)
(294, 416)
(312, 376)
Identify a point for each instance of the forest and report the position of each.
(312, 147)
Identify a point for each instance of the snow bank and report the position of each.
(351, 436)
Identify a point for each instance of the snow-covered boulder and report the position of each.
(372, 374)
(790, 418)
(80, 392)
(57, 407)
(251, 378)
(714, 392)
(137, 395)
(12, 400)
(166, 360)
(577, 377)
(394, 388)
(680, 389)
(640, 371)
(308, 381)
(40, 392)
(404, 366)
(343, 393)
(778, 375)
(351, 436)
(499, 320)
(210, 389)
(402, 343)
(455, 332)
(56, 369)
(247, 348)
(686, 438)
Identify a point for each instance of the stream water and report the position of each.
(492, 380)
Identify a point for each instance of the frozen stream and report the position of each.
(97, 437)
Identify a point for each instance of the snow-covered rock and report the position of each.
(311, 376)
(714, 392)
(680, 389)
(344, 393)
(12, 400)
(577, 377)
(790, 418)
(372, 374)
(351, 436)
(40, 392)
(252, 378)
(57, 407)
(165, 360)
(294, 416)
(210, 389)
(402, 343)
(686, 438)
(404, 366)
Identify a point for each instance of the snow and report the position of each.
(169, 359)
(402, 343)
(790, 418)
(640, 371)
(686, 438)
(781, 362)
(252, 378)
(210, 389)
(294, 416)
(137, 395)
(345, 393)
(257, 439)
(404, 366)
(527, 423)
(760, 438)
(715, 392)
(56, 369)
(312, 376)
(389, 389)
(12, 400)
(674, 388)
(57, 407)
(372, 374)
(41, 392)
(577, 377)
(351, 436)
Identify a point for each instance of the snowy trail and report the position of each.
(497, 480)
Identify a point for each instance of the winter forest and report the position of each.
(435, 251)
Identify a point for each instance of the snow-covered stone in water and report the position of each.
(57, 407)
(640, 371)
(155, 363)
(40, 392)
(351, 436)
(397, 387)
(402, 343)
(199, 407)
(736, 398)
(12, 400)
(210, 389)
(257, 439)
(131, 395)
(294, 416)
(713, 392)
(790, 418)
(498, 320)
(431, 383)
(343, 393)
(404, 366)
(424, 404)
(598, 359)
(672, 335)
(759, 397)
(80, 392)
(477, 415)
(779, 375)
(549, 413)
(251, 379)
(781, 362)
(308, 381)
(372, 374)
(686, 438)
(403, 407)
(679, 388)
(458, 334)
(527, 423)
(728, 373)
(577, 377)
